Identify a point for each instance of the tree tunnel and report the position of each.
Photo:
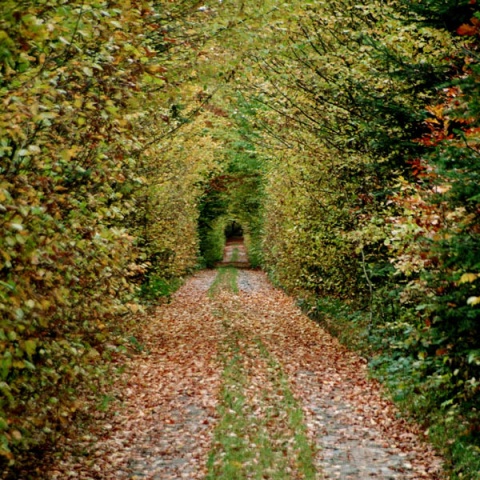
(228, 216)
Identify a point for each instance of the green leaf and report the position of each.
(474, 357)
(30, 347)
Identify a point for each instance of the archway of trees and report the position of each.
(343, 139)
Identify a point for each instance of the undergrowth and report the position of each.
(157, 287)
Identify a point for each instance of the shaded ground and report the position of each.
(255, 349)
(234, 254)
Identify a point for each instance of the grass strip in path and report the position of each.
(226, 278)
(305, 450)
(261, 432)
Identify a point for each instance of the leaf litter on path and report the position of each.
(165, 428)
(359, 433)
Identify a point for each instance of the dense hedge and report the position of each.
(94, 199)
(371, 120)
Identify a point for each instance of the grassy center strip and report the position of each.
(261, 431)
(232, 456)
(235, 255)
(226, 279)
(303, 448)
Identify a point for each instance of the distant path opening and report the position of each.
(235, 254)
(233, 230)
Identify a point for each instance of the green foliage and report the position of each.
(445, 14)
(248, 195)
(343, 138)
(91, 204)
(236, 192)
(352, 327)
(155, 287)
(212, 244)
(372, 189)
(345, 108)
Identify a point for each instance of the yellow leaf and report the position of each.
(78, 102)
(468, 277)
(92, 353)
(156, 69)
(133, 307)
(473, 301)
(4, 452)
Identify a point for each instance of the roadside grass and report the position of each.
(157, 288)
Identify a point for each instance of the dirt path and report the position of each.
(234, 254)
(235, 382)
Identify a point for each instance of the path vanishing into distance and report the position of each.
(235, 382)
